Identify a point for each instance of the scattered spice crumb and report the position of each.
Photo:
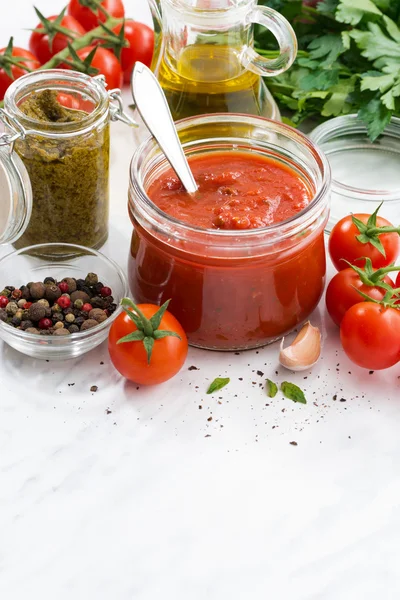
(101, 362)
(342, 399)
(370, 372)
(71, 384)
(108, 411)
(208, 435)
(94, 388)
(260, 373)
(293, 443)
(200, 407)
(193, 368)
(209, 419)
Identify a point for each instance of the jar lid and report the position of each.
(15, 196)
(364, 173)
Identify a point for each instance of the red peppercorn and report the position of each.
(63, 287)
(105, 291)
(3, 301)
(64, 302)
(87, 307)
(45, 323)
(27, 305)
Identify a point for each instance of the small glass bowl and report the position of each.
(28, 264)
(364, 173)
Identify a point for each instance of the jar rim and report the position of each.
(56, 76)
(346, 125)
(282, 229)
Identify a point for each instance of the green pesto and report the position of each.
(69, 177)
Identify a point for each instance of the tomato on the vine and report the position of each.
(44, 48)
(348, 286)
(106, 63)
(17, 60)
(89, 19)
(141, 46)
(370, 335)
(364, 235)
(146, 343)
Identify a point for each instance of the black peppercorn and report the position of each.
(73, 328)
(80, 283)
(16, 321)
(57, 317)
(49, 280)
(91, 279)
(3, 315)
(48, 312)
(26, 325)
(26, 294)
(78, 321)
(97, 302)
(10, 288)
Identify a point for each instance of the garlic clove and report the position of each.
(305, 350)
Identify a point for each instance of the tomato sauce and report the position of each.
(242, 297)
(237, 190)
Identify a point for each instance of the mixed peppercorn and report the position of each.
(57, 308)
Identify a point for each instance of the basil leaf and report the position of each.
(293, 392)
(272, 389)
(218, 384)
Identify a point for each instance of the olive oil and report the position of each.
(210, 79)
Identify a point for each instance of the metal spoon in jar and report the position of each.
(154, 110)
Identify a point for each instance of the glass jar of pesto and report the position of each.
(58, 128)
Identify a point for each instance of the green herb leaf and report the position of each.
(293, 392)
(352, 11)
(218, 384)
(272, 389)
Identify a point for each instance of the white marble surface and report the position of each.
(140, 504)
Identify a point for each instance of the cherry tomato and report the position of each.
(130, 358)
(107, 65)
(88, 19)
(39, 42)
(370, 335)
(343, 244)
(30, 61)
(141, 46)
(342, 293)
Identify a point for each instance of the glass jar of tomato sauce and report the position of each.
(231, 289)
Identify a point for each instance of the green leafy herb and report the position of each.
(218, 384)
(293, 392)
(348, 61)
(272, 388)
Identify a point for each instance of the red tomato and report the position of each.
(342, 293)
(31, 62)
(107, 65)
(39, 42)
(370, 335)
(130, 358)
(343, 244)
(89, 19)
(141, 46)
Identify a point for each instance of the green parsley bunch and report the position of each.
(348, 60)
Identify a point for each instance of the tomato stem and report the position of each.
(147, 331)
(81, 42)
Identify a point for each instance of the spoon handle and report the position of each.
(154, 110)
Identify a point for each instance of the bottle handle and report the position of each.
(285, 36)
